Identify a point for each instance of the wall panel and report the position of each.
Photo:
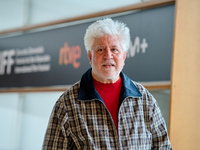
(185, 79)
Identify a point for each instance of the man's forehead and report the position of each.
(114, 41)
(102, 46)
(107, 41)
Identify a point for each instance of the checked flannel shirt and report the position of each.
(80, 120)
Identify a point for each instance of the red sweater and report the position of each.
(110, 94)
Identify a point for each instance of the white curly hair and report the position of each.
(107, 26)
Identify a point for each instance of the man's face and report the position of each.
(107, 59)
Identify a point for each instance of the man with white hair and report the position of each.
(106, 109)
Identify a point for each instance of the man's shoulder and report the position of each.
(143, 90)
(71, 91)
(139, 86)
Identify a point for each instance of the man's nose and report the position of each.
(108, 54)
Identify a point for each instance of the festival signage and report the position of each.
(57, 56)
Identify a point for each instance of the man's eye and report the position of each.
(114, 50)
(100, 50)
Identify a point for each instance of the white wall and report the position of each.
(24, 118)
(11, 14)
(16, 13)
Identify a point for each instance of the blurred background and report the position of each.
(19, 13)
(24, 115)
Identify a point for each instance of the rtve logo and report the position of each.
(69, 55)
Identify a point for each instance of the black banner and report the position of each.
(58, 57)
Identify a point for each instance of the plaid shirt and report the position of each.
(80, 120)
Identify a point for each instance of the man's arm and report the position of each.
(55, 138)
(159, 129)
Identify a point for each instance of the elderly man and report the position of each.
(106, 109)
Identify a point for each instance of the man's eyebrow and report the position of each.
(114, 46)
(100, 46)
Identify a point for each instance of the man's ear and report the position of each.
(89, 56)
(124, 56)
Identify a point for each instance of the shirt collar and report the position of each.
(87, 90)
